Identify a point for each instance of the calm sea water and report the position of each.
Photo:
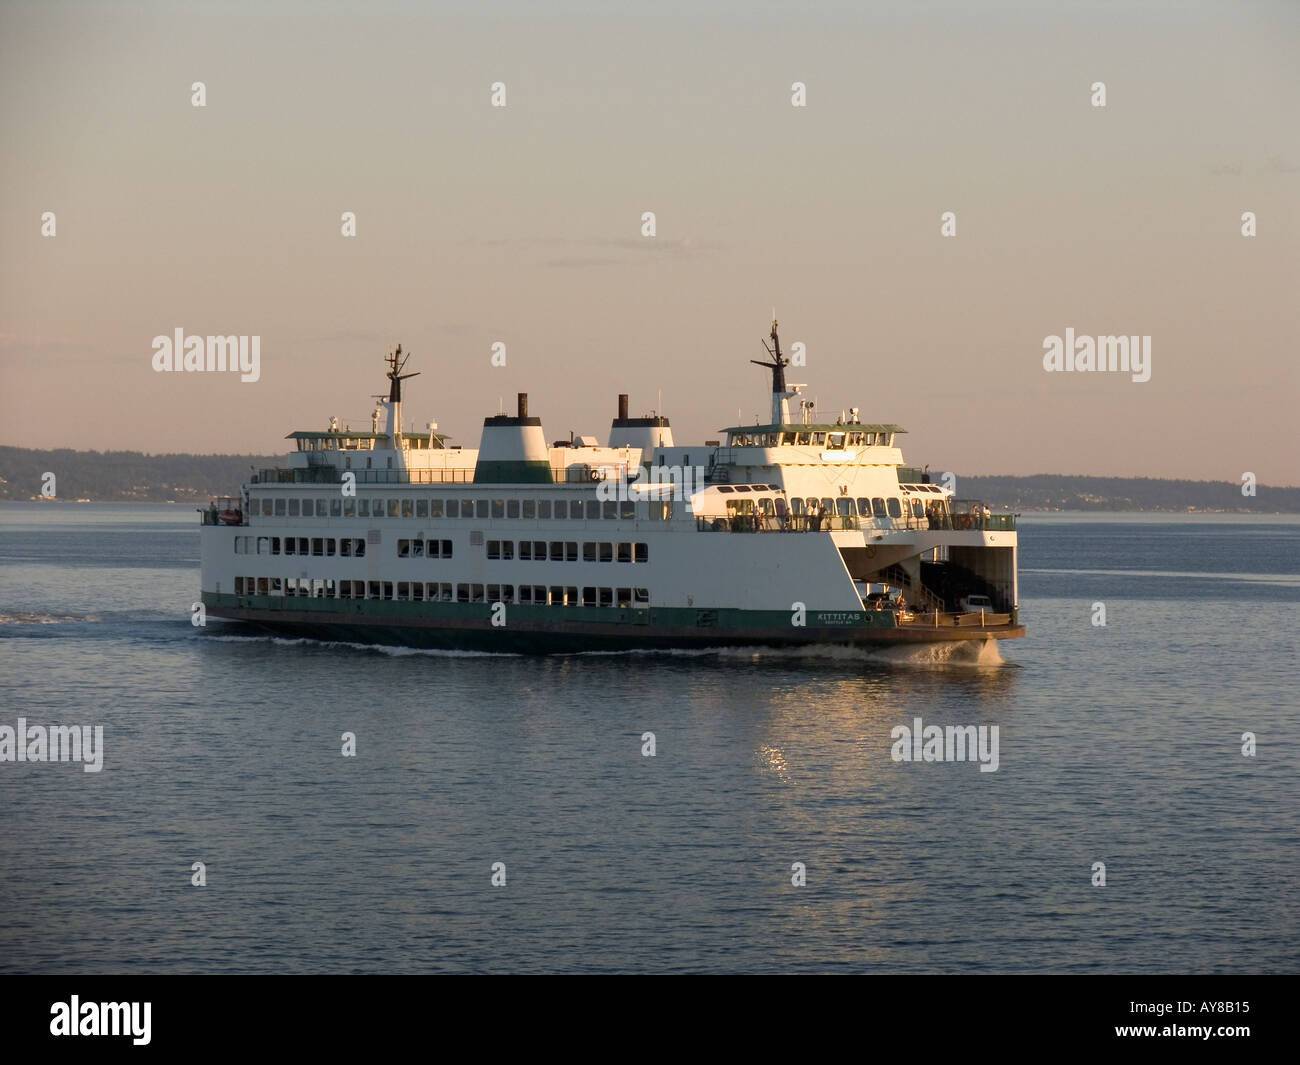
(1119, 744)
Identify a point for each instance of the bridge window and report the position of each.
(895, 508)
(878, 507)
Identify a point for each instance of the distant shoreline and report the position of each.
(133, 477)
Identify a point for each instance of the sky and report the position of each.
(523, 224)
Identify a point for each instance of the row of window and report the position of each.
(329, 547)
(833, 441)
(356, 507)
(424, 549)
(845, 506)
(444, 592)
(566, 551)
(319, 546)
(877, 507)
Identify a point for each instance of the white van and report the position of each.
(973, 604)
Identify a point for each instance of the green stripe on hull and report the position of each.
(552, 629)
(514, 471)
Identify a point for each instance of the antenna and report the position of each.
(396, 364)
(778, 363)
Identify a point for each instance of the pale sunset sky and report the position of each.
(522, 224)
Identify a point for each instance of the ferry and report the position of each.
(783, 533)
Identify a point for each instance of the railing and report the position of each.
(577, 473)
(223, 511)
(938, 619)
(772, 523)
(851, 522)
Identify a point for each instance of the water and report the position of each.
(1119, 744)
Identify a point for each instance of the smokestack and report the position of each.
(523, 404)
(622, 405)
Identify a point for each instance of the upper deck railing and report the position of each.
(579, 473)
(760, 522)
